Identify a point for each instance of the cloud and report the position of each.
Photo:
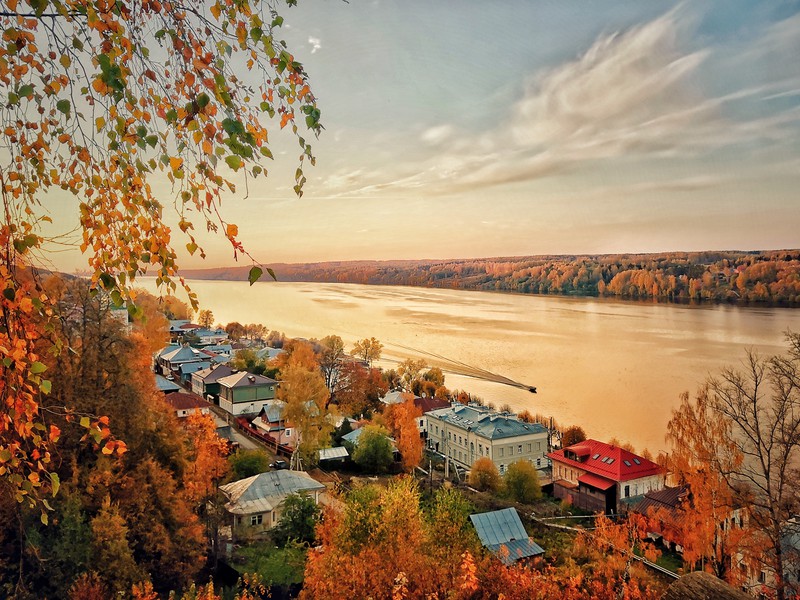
(315, 44)
(436, 135)
(633, 94)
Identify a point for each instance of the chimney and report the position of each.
(251, 378)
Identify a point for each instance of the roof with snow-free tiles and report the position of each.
(165, 385)
(185, 401)
(605, 460)
(212, 374)
(245, 379)
(485, 422)
(502, 533)
(265, 491)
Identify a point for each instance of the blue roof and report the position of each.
(165, 385)
(502, 533)
(486, 422)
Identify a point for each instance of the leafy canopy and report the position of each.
(106, 102)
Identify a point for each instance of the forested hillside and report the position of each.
(740, 277)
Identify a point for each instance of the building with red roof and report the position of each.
(185, 404)
(597, 476)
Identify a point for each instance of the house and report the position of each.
(396, 397)
(185, 404)
(165, 385)
(186, 369)
(170, 359)
(426, 405)
(465, 433)
(272, 422)
(255, 503)
(268, 353)
(243, 393)
(501, 533)
(206, 381)
(669, 500)
(207, 337)
(596, 476)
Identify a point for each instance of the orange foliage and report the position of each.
(208, 462)
(403, 420)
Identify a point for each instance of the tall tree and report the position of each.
(103, 100)
(760, 403)
(521, 482)
(369, 350)
(306, 398)
(205, 319)
(330, 360)
(403, 420)
(702, 450)
(360, 390)
(373, 452)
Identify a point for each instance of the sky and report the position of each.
(476, 128)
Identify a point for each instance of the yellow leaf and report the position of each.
(215, 10)
(232, 230)
(175, 162)
(100, 122)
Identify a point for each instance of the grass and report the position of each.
(277, 566)
(670, 560)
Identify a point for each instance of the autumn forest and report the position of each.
(771, 278)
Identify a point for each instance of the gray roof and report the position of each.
(187, 368)
(165, 385)
(353, 436)
(332, 453)
(212, 374)
(396, 397)
(502, 533)
(486, 422)
(244, 379)
(181, 354)
(268, 353)
(273, 410)
(266, 491)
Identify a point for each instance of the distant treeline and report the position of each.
(771, 278)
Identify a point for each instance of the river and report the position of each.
(616, 368)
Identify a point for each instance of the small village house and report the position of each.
(596, 476)
(185, 404)
(501, 532)
(255, 503)
(244, 393)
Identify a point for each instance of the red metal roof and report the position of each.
(185, 401)
(605, 460)
(601, 483)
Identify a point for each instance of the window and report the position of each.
(256, 519)
(288, 431)
(502, 468)
(511, 450)
(627, 491)
(274, 516)
(501, 453)
(519, 449)
(538, 446)
(529, 448)
(449, 435)
(422, 422)
(460, 440)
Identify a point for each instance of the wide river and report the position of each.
(616, 368)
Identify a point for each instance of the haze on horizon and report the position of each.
(473, 129)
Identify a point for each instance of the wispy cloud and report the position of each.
(634, 94)
(315, 44)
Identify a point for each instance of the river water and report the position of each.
(616, 368)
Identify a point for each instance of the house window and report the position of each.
(511, 450)
(437, 429)
(274, 517)
(256, 519)
(529, 448)
(501, 453)
(288, 431)
(421, 422)
(627, 491)
(519, 449)
(449, 435)
(538, 446)
(460, 440)
(502, 468)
